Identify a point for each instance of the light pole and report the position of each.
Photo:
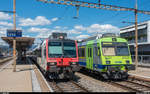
(136, 37)
(14, 40)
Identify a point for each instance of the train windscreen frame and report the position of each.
(55, 49)
(65, 49)
(69, 49)
(115, 49)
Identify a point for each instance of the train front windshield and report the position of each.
(59, 49)
(115, 49)
(55, 49)
(69, 49)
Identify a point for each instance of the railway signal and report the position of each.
(104, 7)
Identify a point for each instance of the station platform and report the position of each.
(141, 72)
(27, 78)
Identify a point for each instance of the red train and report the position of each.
(58, 56)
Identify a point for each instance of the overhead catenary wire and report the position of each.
(93, 5)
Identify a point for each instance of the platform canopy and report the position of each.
(22, 43)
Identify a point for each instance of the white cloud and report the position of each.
(2, 33)
(41, 30)
(57, 27)
(65, 28)
(54, 19)
(79, 27)
(26, 36)
(3, 30)
(57, 30)
(73, 31)
(39, 20)
(6, 24)
(43, 35)
(4, 16)
(94, 28)
(82, 37)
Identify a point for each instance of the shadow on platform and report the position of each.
(22, 61)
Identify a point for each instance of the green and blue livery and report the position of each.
(107, 55)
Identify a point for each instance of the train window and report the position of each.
(44, 51)
(55, 49)
(38, 52)
(79, 51)
(69, 49)
(99, 53)
(89, 52)
(115, 48)
(83, 52)
(109, 51)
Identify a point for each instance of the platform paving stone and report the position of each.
(19, 81)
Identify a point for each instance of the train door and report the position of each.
(45, 60)
(96, 55)
(43, 63)
(89, 57)
(42, 58)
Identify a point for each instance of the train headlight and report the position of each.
(73, 63)
(128, 62)
(107, 62)
(52, 63)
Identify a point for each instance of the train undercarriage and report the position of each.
(108, 75)
(55, 72)
(115, 75)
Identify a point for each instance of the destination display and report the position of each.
(114, 44)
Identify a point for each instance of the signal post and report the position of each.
(14, 40)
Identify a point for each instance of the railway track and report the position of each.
(133, 85)
(4, 60)
(66, 86)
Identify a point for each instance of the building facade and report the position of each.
(143, 37)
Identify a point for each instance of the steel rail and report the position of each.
(84, 89)
(139, 84)
(125, 87)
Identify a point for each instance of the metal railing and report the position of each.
(142, 59)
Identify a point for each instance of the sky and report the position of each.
(37, 19)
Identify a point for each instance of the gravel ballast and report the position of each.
(95, 85)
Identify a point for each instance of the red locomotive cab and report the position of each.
(59, 56)
(62, 55)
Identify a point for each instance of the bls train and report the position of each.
(58, 56)
(106, 54)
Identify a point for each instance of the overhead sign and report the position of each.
(14, 33)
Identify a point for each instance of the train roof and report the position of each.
(61, 40)
(98, 36)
